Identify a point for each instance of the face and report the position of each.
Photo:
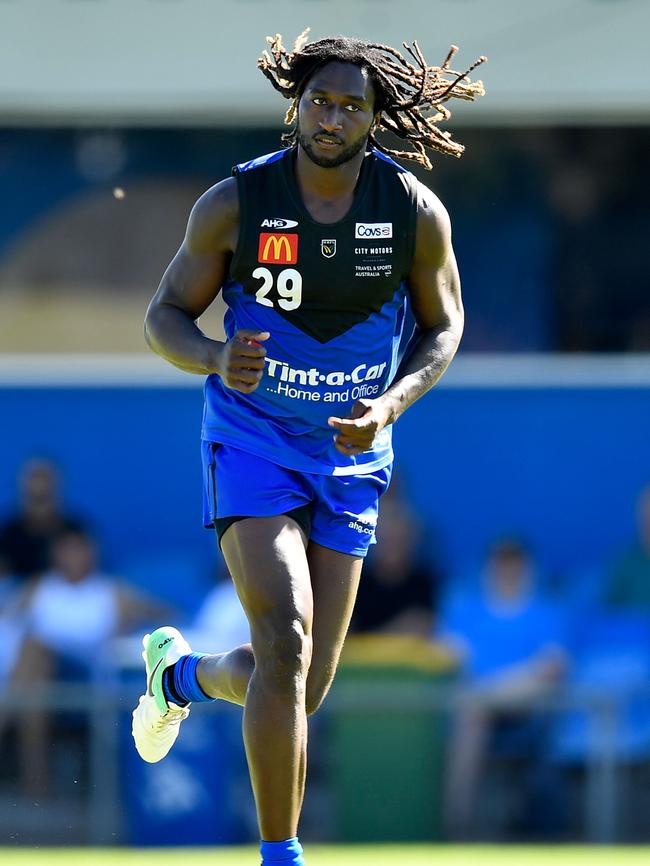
(335, 114)
(509, 573)
(38, 486)
(74, 557)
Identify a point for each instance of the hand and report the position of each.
(357, 433)
(241, 360)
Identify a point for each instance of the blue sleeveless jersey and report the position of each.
(333, 298)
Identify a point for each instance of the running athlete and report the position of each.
(319, 250)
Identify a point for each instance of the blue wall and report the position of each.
(563, 467)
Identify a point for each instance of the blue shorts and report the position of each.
(343, 508)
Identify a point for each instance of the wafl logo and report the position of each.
(278, 248)
(328, 248)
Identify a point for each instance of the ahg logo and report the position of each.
(361, 526)
(373, 230)
(279, 249)
(278, 223)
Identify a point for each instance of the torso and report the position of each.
(333, 297)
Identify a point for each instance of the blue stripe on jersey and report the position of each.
(304, 383)
(267, 159)
(388, 159)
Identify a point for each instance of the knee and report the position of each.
(283, 656)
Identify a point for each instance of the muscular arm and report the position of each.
(193, 280)
(190, 284)
(434, 288)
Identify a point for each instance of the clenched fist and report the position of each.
(241, 360)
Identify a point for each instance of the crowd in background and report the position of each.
(516, 636)
(549, 228)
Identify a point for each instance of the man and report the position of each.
(317, 249)
(510, 640)
(64, 612)
(26, 538)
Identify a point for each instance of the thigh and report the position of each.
(335, 581)
(267, 560)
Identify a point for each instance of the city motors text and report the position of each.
(288, 377)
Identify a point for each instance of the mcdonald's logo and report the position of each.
(279, 249)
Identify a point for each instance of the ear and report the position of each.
(375, 121)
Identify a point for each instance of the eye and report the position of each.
(353, 107)
(318, 100)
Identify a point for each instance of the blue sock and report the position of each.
(179, 682)
(288, 852)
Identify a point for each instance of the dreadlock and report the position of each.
(403, 91)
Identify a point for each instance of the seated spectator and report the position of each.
(68, 616)
(510, 641)
(399, 584)
(629, 583)
(26, 537)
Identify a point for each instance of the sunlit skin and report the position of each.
(335, 116)
(298, 595)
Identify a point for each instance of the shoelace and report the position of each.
(172, 718)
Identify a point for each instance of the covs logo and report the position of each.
(278, 248)
(373, 230)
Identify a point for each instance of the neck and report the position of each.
(327, 183)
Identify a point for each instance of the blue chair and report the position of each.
(610, 653)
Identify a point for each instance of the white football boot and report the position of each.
(155, 722)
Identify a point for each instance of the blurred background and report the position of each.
(496, 685)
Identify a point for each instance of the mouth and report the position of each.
(327, 141)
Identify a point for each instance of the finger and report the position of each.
(244, 387)
(348, 450)
(247, 376)
(248, 350)
(355, 430)
(245, 335)
(359, 409)
(363, 443)
(355, 437)
(245, 362)
(342, 423)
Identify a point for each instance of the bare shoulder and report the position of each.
(214, 220)
(433, 224)
(434, 263)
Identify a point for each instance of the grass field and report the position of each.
(322, 855)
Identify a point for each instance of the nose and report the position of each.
(331, 119)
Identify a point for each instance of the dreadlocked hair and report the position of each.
(405, 92)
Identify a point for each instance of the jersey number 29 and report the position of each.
(288, 285)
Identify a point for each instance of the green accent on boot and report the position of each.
(164, 647)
